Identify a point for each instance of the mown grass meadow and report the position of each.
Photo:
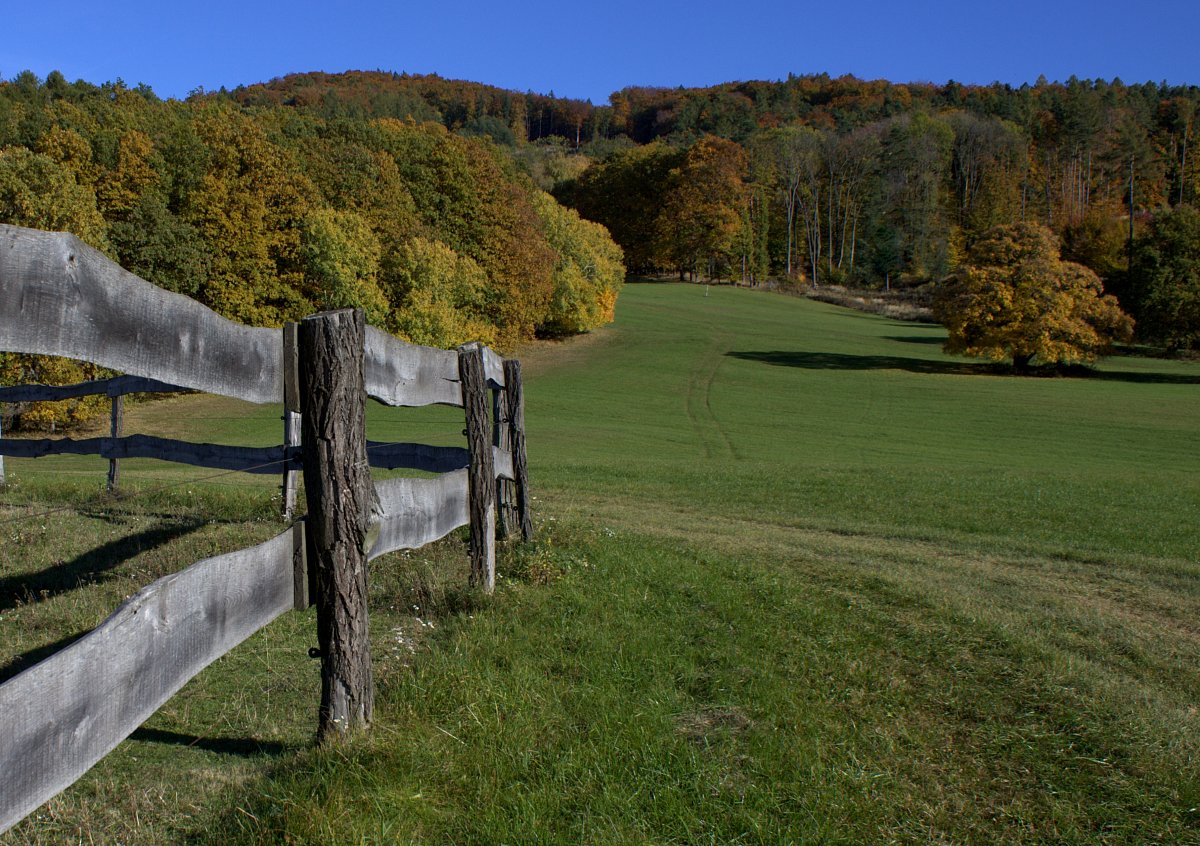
(800, 578)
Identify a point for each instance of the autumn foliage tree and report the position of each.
(1014, 297)
(701, 218)
(273, 204)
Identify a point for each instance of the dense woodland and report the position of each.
(270, 213)
(453, 210)
(843, 181)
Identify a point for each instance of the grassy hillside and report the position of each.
(801, 578)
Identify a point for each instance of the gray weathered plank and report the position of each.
(59, 296)
(115, 387)
(63, 715)
(419, 511)
(493, 367)
(503, 461)
(398, 373)
(431, 459)
(215, 456)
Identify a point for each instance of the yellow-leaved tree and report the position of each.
(40, 192)
(588, 274)
(341, 260)
(1014, 297)
(442, 297)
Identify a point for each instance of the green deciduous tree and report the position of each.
(588, 274)
(624, 193)
(1015, 298)
(1164, 286)
(41, 193)
(441, 297)
(341, 261)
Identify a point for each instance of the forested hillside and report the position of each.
(842, 180)
(268, 213)
(872, 183)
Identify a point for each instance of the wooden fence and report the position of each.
(61, 297)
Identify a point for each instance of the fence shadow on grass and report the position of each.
(19, 663)
(245, 747)
(843, 361)
(68, 576)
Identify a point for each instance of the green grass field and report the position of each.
(801, 578)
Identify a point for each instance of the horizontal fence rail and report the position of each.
(263, 460)
(64, 714)
(419, 511)
(415, 512)
(58, 296)
(402, 374)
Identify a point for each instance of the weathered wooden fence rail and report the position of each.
(60, 297)
(64, 714)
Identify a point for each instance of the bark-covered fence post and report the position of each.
(337, 483)
(118, 424)
(291, 414)
(1, 435)
(516, 428)
(502, 437)
(481, 486)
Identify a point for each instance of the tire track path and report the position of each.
(712, 435)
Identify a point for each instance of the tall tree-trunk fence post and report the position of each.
(481, 485)
(291, 414)
(515, 402)
(337, 483)
(118, 423)
(2, 482)
(502, 437)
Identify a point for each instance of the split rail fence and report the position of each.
(60, 297)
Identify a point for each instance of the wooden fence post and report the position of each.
(2, 482)
(118, 423)
(337, 483)
(502, 437)
(481, 486)
(516, 427)
(291, 414)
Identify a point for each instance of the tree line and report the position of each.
(875, 184)
(267, 213)
(841, 180)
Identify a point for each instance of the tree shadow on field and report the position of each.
(843, 361)
(924, 340)
(70, 575)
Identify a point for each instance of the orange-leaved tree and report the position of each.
(701, 217)
(1014, 297)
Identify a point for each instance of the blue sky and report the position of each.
(588, 50)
